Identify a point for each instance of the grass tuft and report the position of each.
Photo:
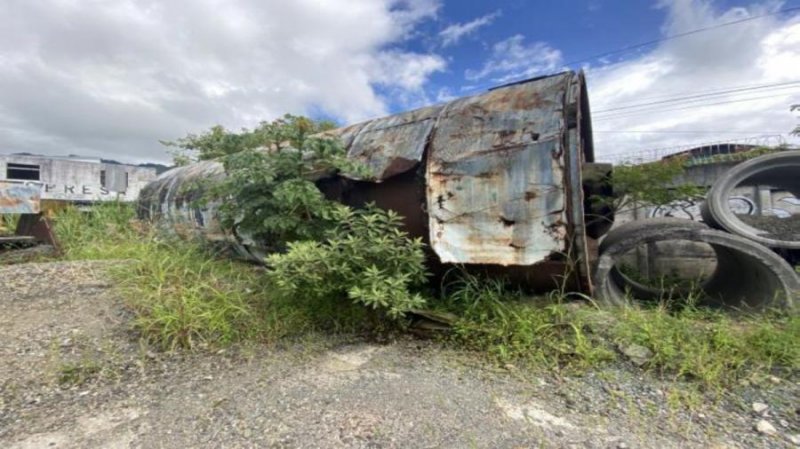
(186, 295)
(509, 325)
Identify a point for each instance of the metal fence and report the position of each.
(701, 152)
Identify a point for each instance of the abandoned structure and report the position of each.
(500, 182)
(74, 179)
(31, 185)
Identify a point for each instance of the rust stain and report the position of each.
(497, 170)
(496, 150)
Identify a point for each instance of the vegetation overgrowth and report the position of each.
(335, 269)
(186, 295)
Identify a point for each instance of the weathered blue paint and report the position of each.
(500, 171)
(20, 197)
(497, 190)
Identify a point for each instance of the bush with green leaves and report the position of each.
(365, 258)
(270, 196)
(331, 251)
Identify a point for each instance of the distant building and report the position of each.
(77, 179)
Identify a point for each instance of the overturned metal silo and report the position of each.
(491, 181)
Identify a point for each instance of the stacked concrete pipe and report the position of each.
(748, 276)
(749, 273)
(781, 170)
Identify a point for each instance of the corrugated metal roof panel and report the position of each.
(392, 145)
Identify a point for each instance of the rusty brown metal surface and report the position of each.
(496, 176)
(37, 226)
(491, 180)
(20, 197)
(577, 145)
(392, 145)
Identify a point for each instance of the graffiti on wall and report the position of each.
(787, 206)
(784, 205)
(690, 209)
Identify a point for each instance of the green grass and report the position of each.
(185, 295)
(77, 373)
(710, 348)
(8, 223)
(508, 325)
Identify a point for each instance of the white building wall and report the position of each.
(72, 179)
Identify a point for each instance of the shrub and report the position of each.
(365, 258)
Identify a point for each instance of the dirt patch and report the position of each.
(74, 375)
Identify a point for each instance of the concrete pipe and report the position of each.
(748, 275)
(777, 170)
(637, 289)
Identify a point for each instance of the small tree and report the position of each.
(219, 142)
(653, 184)
(320, 249)
(269, 191)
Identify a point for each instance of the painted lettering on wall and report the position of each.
(82, 190)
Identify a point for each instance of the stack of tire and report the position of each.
(753, 270)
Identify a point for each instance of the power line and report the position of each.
(693, 97)
(679, 35)
(632, 113)
(704, 92)
(629, 48)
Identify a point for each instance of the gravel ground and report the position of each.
(74, 375)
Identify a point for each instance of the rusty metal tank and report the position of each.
(491, 181)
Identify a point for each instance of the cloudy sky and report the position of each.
(111, 78)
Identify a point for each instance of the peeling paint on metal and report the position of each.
(20, 197)
(495, 176)
(501, 179)
(392, 145)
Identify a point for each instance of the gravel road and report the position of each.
(74, 375)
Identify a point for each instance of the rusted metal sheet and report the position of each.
(491, 180)
(172, 200)
(392, 145)
(20, 197)
(175, 201)
(495, 175)
(578, 151)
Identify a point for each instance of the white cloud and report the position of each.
(453, 33)
(512, 59)
(757, 52)
(406, 70)
(110, 78)
(444, 95)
